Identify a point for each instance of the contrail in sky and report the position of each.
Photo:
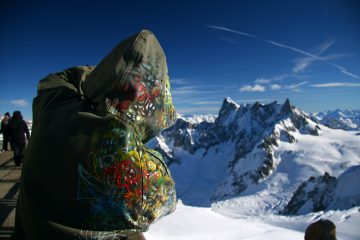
(342, 69)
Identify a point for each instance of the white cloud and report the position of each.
(229, 40)
(230, 30)
(335, 84)
(302, 63)
(344, 71)
(275, 87)
(269, 80)
(295, 87)
(255, 88)
(19, 102)
(322, 48)
(184, 90)
(178, 81)
(337, 56)
(262, 80)
(280, 77)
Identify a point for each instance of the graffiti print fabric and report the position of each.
(125, 178)
(128, 180)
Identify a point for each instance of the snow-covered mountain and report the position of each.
(252, 158)
(326, 193)
(235, 174)
(196, 119)
(348, 119)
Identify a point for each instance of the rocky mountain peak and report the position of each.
(228, 100)
(247, 131)
(227, 110)
(287, 107)
(244, 124)
(258, 117)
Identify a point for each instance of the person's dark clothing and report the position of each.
(321, 230)
(5, 132)
(87, 173)
(17, 130)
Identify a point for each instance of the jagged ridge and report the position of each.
(255, 129)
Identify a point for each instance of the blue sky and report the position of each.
(308, 51)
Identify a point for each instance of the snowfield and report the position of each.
(334, 151)
(194, 223)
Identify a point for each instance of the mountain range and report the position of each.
(260, 159)
(348, 119)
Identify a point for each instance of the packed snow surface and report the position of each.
(194, 223)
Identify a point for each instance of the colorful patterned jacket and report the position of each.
(87, 173)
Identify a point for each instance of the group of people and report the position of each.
(15, 131)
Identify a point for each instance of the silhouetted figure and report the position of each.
(5, 131)
(17, 130)
(321, 230)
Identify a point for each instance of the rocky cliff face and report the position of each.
(313, 195)
(326, 193)
(258, 131)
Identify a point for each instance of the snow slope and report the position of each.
(194, 223)
(347, 192)
(334, 151)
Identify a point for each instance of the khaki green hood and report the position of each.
(132, 83)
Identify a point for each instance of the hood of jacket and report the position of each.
(132, 84)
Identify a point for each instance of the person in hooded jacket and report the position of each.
(87, 172)
(5, 131)
(18, 129)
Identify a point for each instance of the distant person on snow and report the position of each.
(87, 173)
(17, 130)
(321, 230)
(5, 131)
